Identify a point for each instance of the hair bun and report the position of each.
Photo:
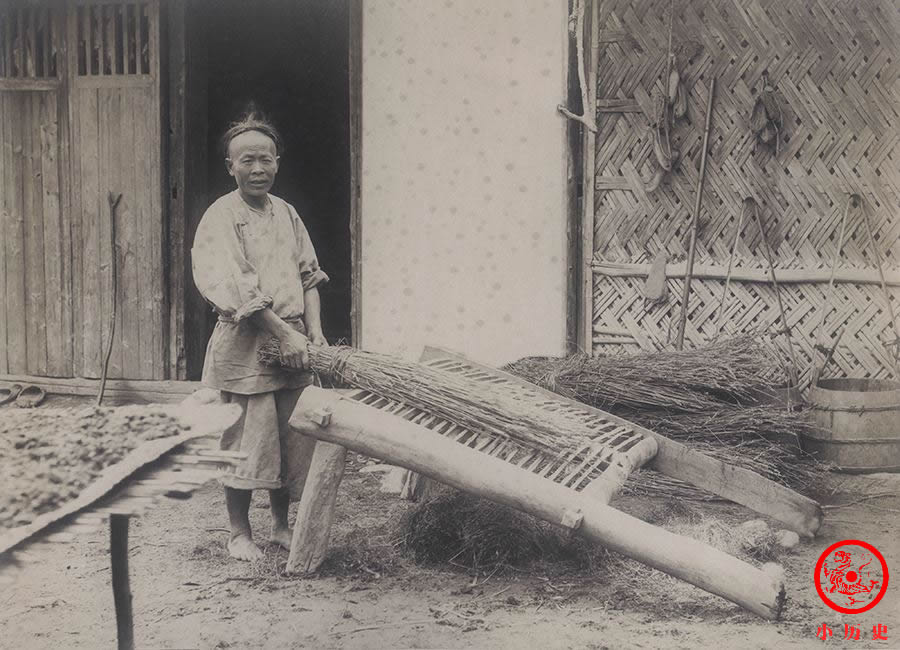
(252, 120)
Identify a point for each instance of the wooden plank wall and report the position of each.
(35, 292)
(116, 149)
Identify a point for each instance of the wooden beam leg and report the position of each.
(418, 488)
(118, 553)
(316, 511)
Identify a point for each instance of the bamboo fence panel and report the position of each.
(835, 68)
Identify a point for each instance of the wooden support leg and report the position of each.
(417, 488)
(611, 481)
(118, 552)
(316, 511)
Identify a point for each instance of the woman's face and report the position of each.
(253, 162)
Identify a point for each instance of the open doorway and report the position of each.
(289, 58)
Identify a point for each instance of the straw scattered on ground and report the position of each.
(481, 536)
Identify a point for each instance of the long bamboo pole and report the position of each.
(114, 200)
(815, 370)
(737, 238)
(794, 374)
(584, 331)
(887, 295)
(328, 416)
(692, 249)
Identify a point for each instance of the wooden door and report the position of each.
(115, 123)
(35, 290)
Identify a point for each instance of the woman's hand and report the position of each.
(318, 339)
(294, 350)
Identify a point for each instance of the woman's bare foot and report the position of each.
(241, 547)
(281, 536)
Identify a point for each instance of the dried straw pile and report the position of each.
(706, 398)
(477, 534)
(731, 371)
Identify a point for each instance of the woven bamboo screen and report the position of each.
(835, 68)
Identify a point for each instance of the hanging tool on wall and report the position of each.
(692, 248)
(793, 372)
(766, 120)
(656, 291)
(672, 104)
(853, 202)
(113, 200)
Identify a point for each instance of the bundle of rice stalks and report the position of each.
(729, 371)
(753, 438)
(772, 460)
(694, 397)
(475, 533)
(476, 406)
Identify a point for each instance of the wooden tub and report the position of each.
(858, 424)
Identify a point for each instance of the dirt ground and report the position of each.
(188, 594)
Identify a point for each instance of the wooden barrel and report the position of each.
(858, 424)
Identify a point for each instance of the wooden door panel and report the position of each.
(35, 287)
(116, 150)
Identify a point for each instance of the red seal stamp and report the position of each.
(851, 576)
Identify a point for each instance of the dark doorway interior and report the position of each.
(290, 59)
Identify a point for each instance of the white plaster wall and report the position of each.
(463, 177)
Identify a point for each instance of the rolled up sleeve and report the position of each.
(222, 274)
(311, 275)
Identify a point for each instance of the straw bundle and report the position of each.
(702, 397)
(772, 460)
(472, 405)
(689, 396)
(732, 371)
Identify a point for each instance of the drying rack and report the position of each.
(172, 467)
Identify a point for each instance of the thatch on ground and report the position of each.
(474, 533)
(481, 536)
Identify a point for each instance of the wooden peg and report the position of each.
(572, 519)
(321, 416)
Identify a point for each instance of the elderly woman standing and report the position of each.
(253, 261)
